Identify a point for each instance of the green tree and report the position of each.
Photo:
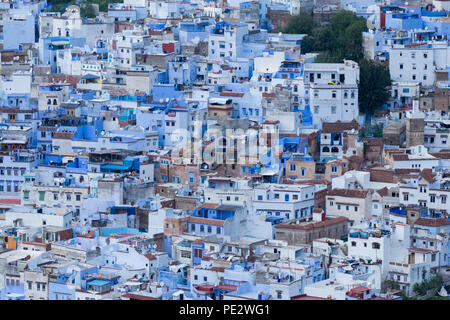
(88, 11)
(374, 80)
(300, 24)
(435, 282)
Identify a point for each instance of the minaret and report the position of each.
(415, 124)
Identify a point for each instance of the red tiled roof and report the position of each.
(62, 135)
(311, 225)
(209, 206)
(231, 94)
(306, 297)
(150, 256)
(441, 155)
(213, 222)
(400, 157)
(429, 222)
(428, 175)
(348, 193)
(373, 141)
(9, 201)
(137, 297)
(383, 192)
(339, 127)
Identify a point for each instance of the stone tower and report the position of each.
(415, 124)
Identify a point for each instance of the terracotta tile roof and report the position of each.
(150, 256)
(373, 141)
(441, 155)
(231, 94)
(306, 297)
(428, 175)
(118, 93)
(137, 297)
(217, 269)
(406, 171)
(339, 127)
(271, 122)
(9, 201)
(380, 175)
(383, 192)
(62, 135)
(400, 157)
(430, 222)
(209, 206)
(212, 222)
(348, 193)
(312, 224)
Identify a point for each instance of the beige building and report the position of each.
(305, 231)
(352, 204)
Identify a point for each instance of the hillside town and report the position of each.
(224, 150)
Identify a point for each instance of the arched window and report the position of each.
(54, 102)
(49, 101)
(326, 149)
(335, 149)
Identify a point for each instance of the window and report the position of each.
(375, 245)
(405, 196)
(55, 196)
(353, 243)
(293, 167)
(185, 254)
(41, 195)
(277, 196)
